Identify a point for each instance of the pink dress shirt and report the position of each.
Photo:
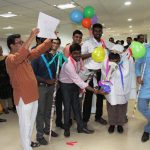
(69, 73)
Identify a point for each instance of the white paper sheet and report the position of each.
(47, 26)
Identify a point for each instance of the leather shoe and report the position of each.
(101, 121)
(35, 144)
(85, 130)
(53, 134)
(120, 129)
(145, 137)
(67, 133)
(6, 111)
(42, 141)
(111, 129)
(3, 120)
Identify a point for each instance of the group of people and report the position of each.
(33, 77)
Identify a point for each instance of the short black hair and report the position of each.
(129, 37)
(58, 39)
(97, 25)
(122, 42)
(111, 38)
(138, 36)
(11, 39)
(117, 42)
(77, 32)
(113, 56)
(75, 47)
(40, 39)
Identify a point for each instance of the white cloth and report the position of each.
(27, 115)
(88, 47)
(118, 95)
(133, 87)
(117, 48)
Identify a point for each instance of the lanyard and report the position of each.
(47, 66)
(103, 43)
(107, 67)
(121, 74)
(75, 65)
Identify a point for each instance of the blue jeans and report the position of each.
(143, 106)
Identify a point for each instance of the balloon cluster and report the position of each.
(138, 50)
(86, 18)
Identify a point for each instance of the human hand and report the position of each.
(96, 91)
(101, 92)
(139, 80)
(34, 32)
(51, 81)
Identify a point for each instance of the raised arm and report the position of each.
(23, 52)
(42, 48)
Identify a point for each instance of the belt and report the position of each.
(45, 84)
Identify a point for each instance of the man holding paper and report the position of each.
(24, 83)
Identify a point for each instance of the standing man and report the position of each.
(129, 40)
(24, 83)
(140, 38)
(70, 85)
(76, 38)
(87, 48)
(144, 96)
(46, 77)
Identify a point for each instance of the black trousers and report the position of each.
(87, 105)
(70, 93)
(58, 103)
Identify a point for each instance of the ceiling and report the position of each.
(112, 13)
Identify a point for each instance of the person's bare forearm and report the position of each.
(86, 56)
(32, 36)
(90, 89)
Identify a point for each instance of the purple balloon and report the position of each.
(94, 19)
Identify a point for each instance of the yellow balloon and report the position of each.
(98, 55)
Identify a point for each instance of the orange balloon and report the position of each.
(86, 23)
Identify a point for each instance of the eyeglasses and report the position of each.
(56, 43)
(19, 42)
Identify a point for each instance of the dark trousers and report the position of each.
(87, 105)
(58, 103)
(44, 110)
(70, 92)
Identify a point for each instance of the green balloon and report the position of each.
(88, 12)
(138, 50)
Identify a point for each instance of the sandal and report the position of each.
(35, 144)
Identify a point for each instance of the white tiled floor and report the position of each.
(100, 140)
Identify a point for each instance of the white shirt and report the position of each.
(88, 47)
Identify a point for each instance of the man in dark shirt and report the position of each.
(45, 75)
(129, 40)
